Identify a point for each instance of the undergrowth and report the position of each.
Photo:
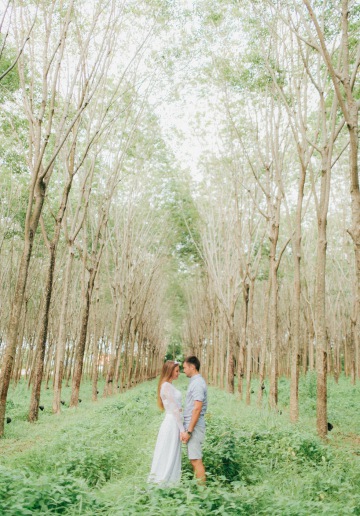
(95, 460)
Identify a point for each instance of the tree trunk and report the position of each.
(41, 345)
(95, 364)
(15, 316)
(118, 359)
(19, 357)
(273, 394)
(243, 343)
(109, 382)
(62, 338)
(350, 109)
(230, 364)
(250, 338)
(125, 357)
(263, 350)
(69, 366)
(295, 356)
(130, 367)
(80, 349)
(320, 309)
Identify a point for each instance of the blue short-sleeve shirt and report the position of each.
(197, 391)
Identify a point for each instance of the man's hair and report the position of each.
(193, 360)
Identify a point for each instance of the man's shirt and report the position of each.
(197, 391)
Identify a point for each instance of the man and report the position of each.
(194, 412)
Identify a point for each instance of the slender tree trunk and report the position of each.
(295, 356)
(321, 344)
(130, 368)
(29, 356)
(62, 338)
(320, 308)
(126, 356)
(305, 352)
(250, 339)
(49, 360)
(41, 345)
(20, 345)
(221, 354)
(230, 364)
(243, 343)
(15, 316)
(263, 350)
(118, 359)
(216, 345)
(351, 359)
(140, 346)
(273, 394)
(80, 348)
(355, 232)
(95, 364)
(109, 382)
(68, 372)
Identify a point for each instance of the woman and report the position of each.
(166, 464)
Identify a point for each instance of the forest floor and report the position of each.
(94, 460)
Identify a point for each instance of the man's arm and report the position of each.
(194, 419)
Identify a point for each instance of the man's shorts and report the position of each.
(194, 445)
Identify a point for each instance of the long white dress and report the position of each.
(166, 464)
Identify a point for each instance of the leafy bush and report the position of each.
(96, 465)
(23, 493)
(226, 453)
(95, 460)
(92, 460)
(187, 498)
(231, 455)
(308, 385)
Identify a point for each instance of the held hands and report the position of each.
(184, 437)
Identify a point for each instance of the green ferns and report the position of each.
(95, 460)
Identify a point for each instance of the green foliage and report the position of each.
(184, 500)
(309, 385)
(252, 76)
(233, 455)
(80, 459)
(174, 351)
(10, 82)
(215, 18)
(184, 218)
(184, 245)
(263, 274)
(23, 493)
(96, 460)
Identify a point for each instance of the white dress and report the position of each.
(166, 464)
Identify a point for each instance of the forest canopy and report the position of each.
(179, 177)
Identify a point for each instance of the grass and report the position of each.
(95, 459)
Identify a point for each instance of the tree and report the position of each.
(343, 75)
(47, 135)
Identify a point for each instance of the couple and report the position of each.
(175, 429)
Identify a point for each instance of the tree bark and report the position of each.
(80, 348)
(263, 351)
(250, 338)
(62, 337)
(295, 355)
(32, 222)
(41, 345)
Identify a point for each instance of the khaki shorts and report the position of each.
(194, 445)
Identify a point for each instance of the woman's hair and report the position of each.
(166, 374)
